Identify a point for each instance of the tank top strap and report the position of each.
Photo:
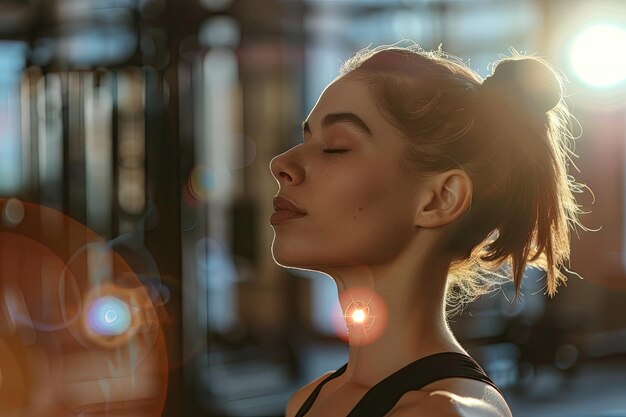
(309, 401)
(382, 397)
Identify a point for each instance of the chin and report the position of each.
(291, 256)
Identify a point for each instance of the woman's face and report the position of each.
(359, 203)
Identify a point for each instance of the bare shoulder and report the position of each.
(455, 397)
(299, 397)
(447, 404)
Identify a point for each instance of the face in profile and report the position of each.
(346, 175)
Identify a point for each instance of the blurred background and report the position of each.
(135, 141)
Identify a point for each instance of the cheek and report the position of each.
(374, 208)
(366, 198)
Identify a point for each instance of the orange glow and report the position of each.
(365, 316)
(56, 364)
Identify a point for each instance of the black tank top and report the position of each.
(383, 396)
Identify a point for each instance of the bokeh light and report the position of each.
(109, 316)
(200, 183)
(595, 55)
(566, 356)
(13, 212)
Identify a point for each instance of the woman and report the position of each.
(414, 182)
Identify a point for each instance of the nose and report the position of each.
(285, 170)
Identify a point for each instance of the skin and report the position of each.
(371, 225)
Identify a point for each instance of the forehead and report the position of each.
(352, 96)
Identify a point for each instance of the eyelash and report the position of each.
(331, 151)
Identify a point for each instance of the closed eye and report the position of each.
(328, 150)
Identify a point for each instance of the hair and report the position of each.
(511, 134)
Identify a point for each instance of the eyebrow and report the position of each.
(350, 119)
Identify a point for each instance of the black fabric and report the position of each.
(383, 396)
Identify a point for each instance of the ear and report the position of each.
(444, 198)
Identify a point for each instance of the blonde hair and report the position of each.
(512, 136)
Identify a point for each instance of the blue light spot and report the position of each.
(109, 316)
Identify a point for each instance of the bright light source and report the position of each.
(597, 57)
(109, 316)
(358, 316)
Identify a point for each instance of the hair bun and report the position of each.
(529, 78)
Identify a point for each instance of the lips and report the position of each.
(281, 203)
(285, 210)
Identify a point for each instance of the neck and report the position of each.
(393, 319)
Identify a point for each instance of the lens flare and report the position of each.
(365, 316)
(358, 316)
(594, 55)
(109, 316)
